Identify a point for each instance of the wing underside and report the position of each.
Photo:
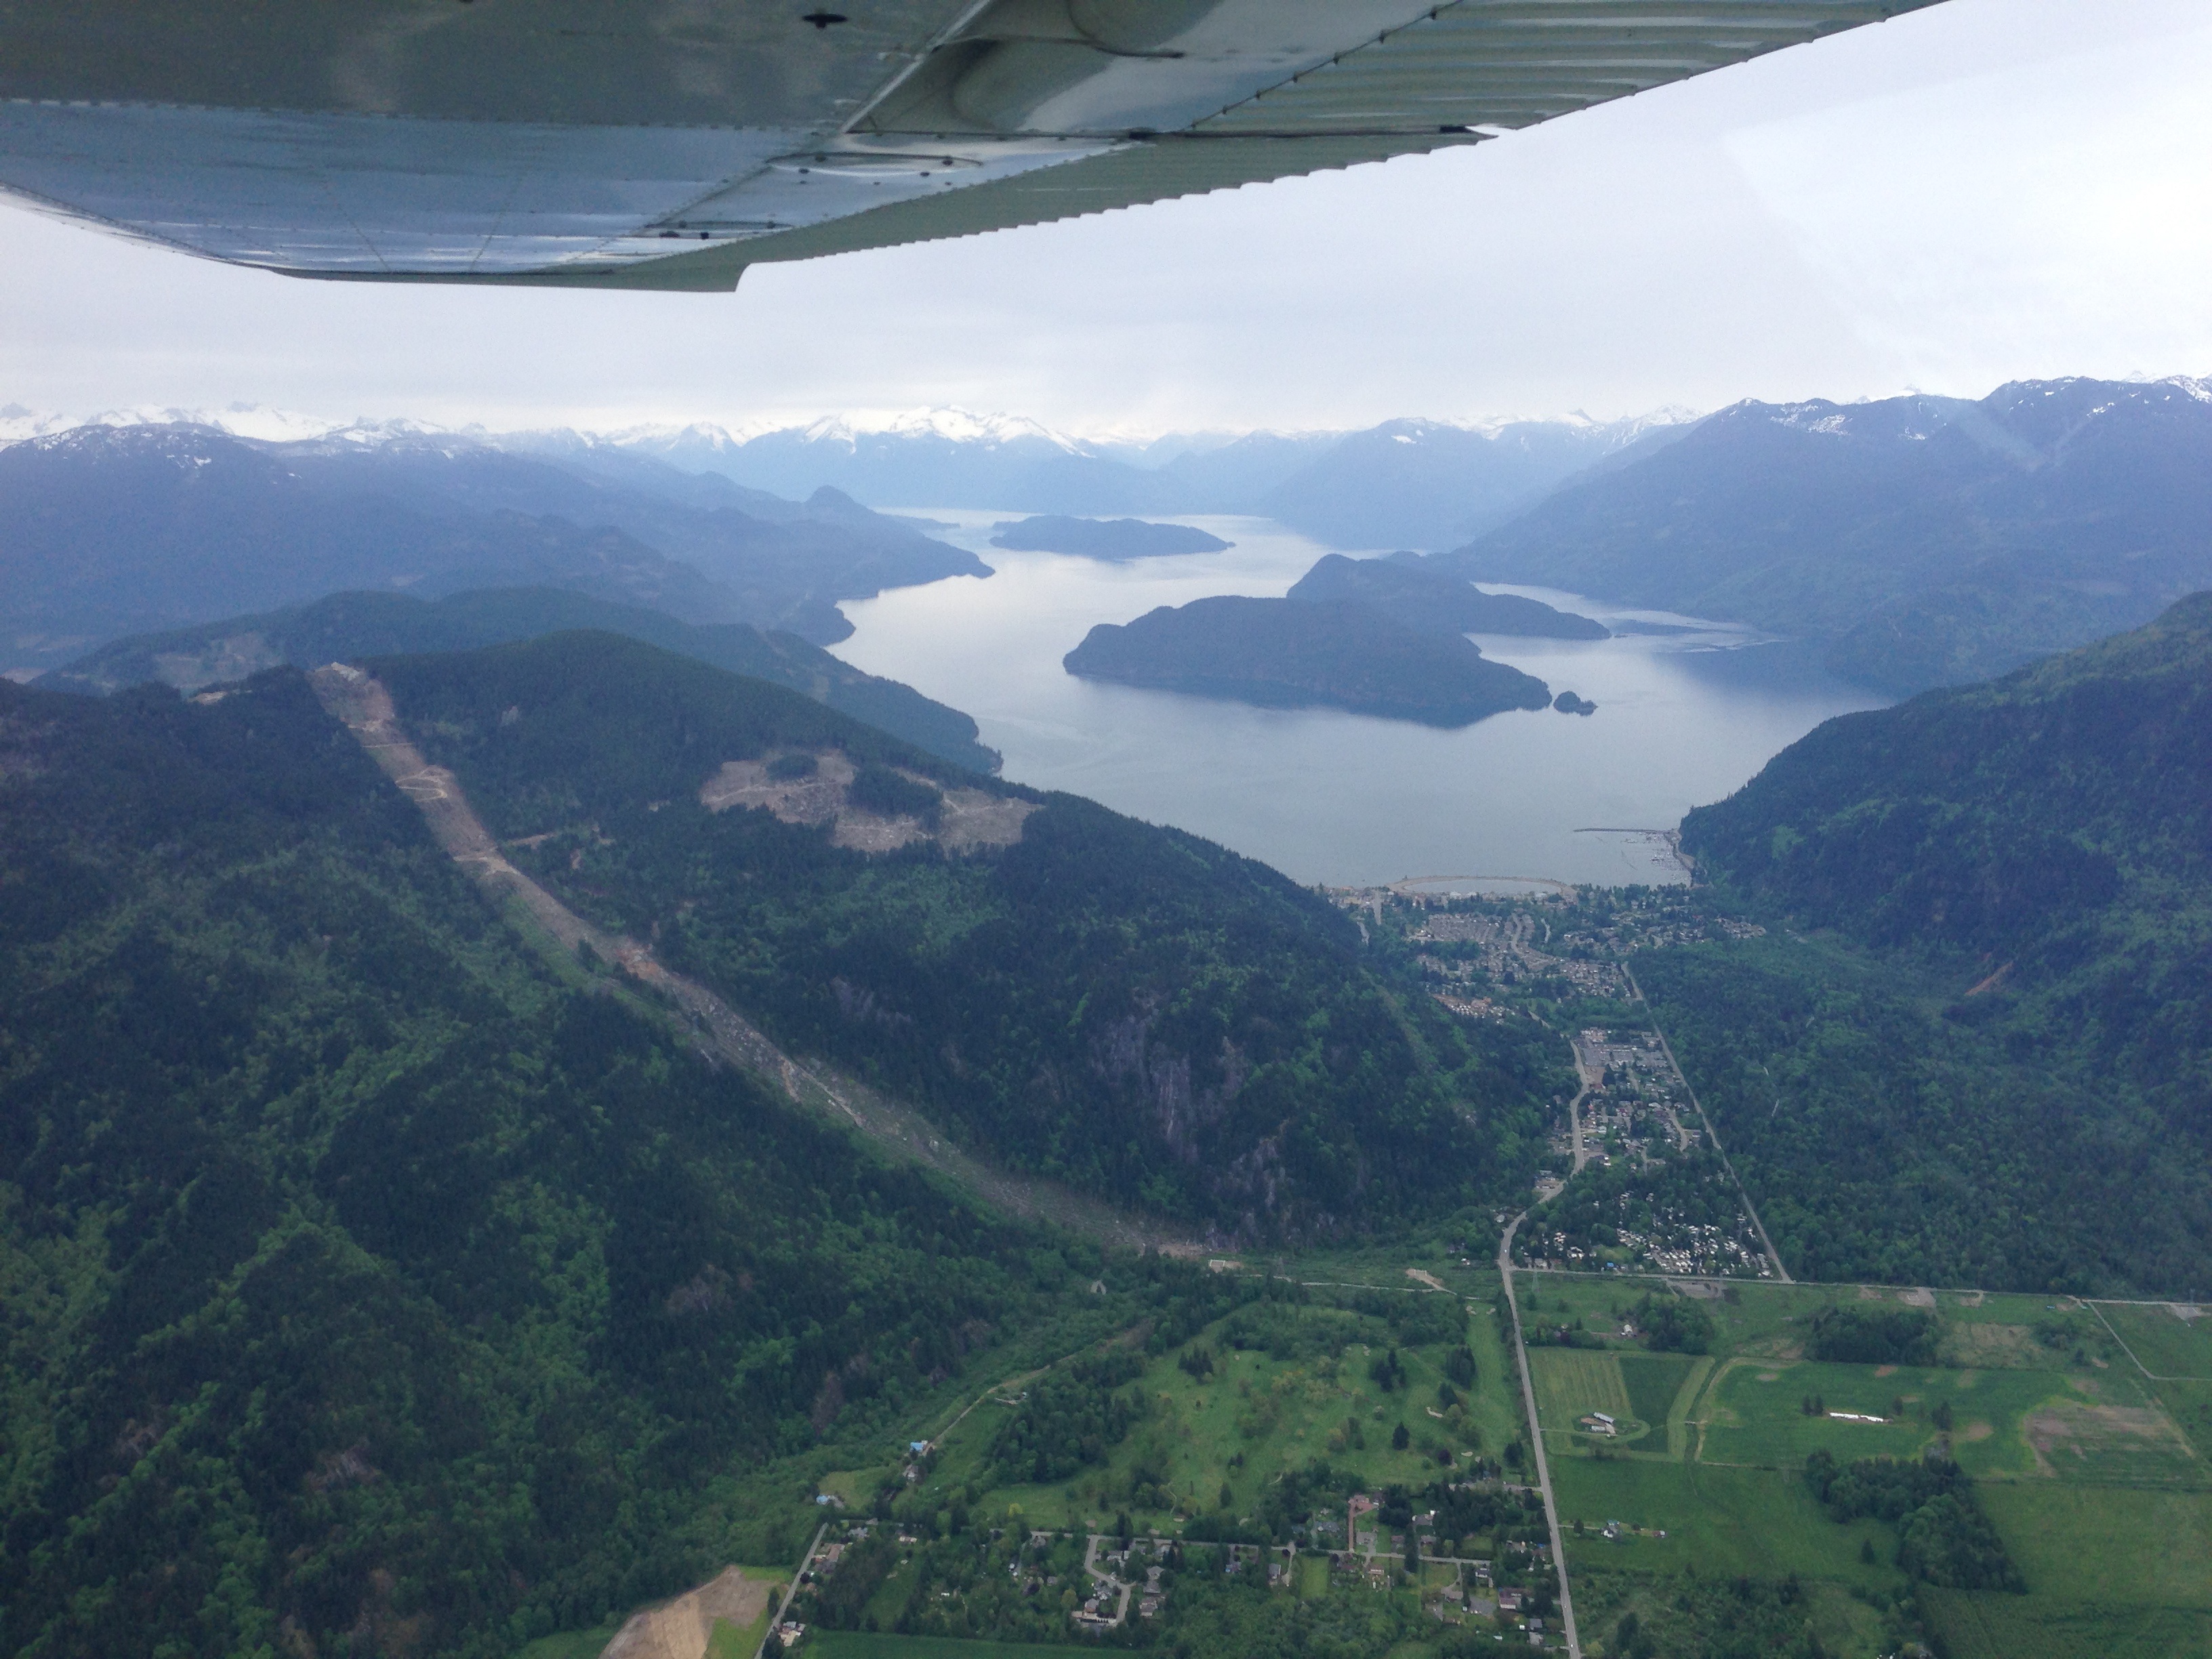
(673, 144)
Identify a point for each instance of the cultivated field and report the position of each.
(1572, 1382)
(1987, 1624)
(2167, 1345)
(2092, 1468)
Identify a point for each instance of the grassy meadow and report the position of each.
(2168, 1345)
(1254, 1417)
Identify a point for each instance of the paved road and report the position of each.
(776, 1614)
(1108, 1582)
(1536, 1437)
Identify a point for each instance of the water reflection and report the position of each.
(1683, 718)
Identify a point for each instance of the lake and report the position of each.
(1345, 800)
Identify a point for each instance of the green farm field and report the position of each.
(2106, 1545)
(1640, 1391)
(2189, 1405)
(1988, 1625)
(1660, 1387)
(2166, 1344)
(1752, 1413)
(1572, 1382)
(1717, 1520)
(2095, 1474)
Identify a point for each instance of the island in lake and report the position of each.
(1292, 653)
(1113, 540)
(1432, 601)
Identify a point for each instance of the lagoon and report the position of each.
(1683, 718)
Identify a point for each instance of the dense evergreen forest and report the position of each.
(1127, 1008)
(1991, 1065)
(369, 1284)
(376, 1281)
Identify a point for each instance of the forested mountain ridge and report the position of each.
(1126, 1008)
(114, 530)
(2021, 1053)
(1338, 652)
(343, 627)
(1423, 483)
(1924, 541)
(2000, 818)
(366, 1283)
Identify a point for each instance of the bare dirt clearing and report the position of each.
(968, 818)
(682, 1628)
(2010, 1347)
(2066, 1429)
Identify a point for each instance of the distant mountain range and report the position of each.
(1912, 542)
(1925, 541)
(1406, 483)
(113, 530)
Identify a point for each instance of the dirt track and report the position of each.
(366, 708)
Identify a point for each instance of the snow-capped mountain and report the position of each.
(253, 421)
(1415, 482)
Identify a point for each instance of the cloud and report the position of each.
(2042, 219)
(1987, 188)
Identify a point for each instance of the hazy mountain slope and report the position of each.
(1127, 1008)
(939, 458)
(2035, 854)
(1423, 483)
(1426, 484)
(1428, 600)
(1925, 540)
(346, 627)
(784, 563)
(115, 530)
(365, 1277)
(1234, 477)
(111, 531)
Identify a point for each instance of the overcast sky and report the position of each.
(1989, 190)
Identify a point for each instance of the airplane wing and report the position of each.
(670, 143)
